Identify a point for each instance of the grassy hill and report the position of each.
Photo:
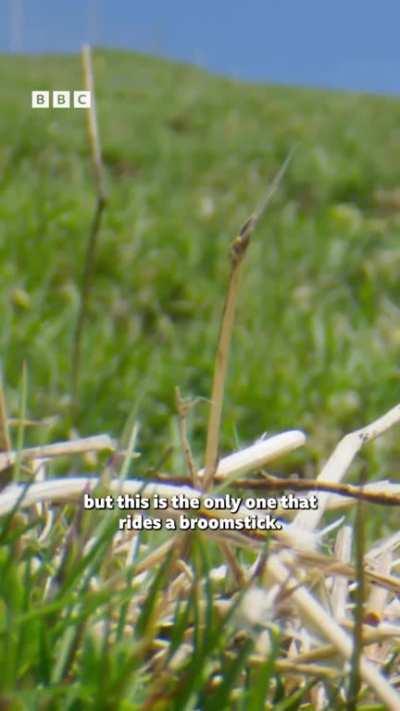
(316, 347)
(188, 155)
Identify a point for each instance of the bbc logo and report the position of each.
(61, 99)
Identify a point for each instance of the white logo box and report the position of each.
(61, 99)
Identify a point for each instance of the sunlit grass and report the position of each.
(186, 154)
(315, 347)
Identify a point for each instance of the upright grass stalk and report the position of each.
(5, 441)
(183, 408)
(22, 419)
(101, 201)
(355, 674)
(237, 254)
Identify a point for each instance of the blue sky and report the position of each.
(345, 44)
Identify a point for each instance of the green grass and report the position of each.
(187, 156)
(317, 340)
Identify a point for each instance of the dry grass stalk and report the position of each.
(376, 493)
(376, 604)
(217, 396)
(339, 595)
(293, 667)
(385, 545)
(312, 611)
(101, 200)
(327, 565)
(257, 455)
(356, 657)
(386, 492)
(154, 557)
(376, 634)
(290, 560)
(371, 635)
(5, 441)
(183, 410)
(93, 132)
(276, 571)
(97, 443)
(238, 251)
(291, 537)
(340, 460)
(237, 572)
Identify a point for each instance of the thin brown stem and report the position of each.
(101, 200)
(183, 410)
(229, 554)
(237, 254)
(5, 441)
(272, 483)
(355, 674)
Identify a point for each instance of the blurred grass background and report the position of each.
(188, 156)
